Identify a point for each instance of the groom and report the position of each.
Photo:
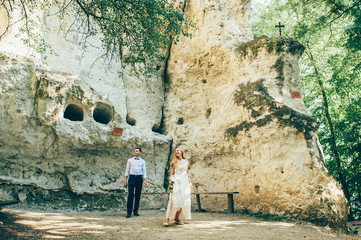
(137, 173)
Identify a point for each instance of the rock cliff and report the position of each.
(231, 102)
(234, 105)
(58, 113)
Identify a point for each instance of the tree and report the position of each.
(331, 77)
(134, 30)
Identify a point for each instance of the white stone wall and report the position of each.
(227, 102)
(44, 154)
(229, 106)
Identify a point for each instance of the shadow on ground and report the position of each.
(34, 224)
(10, 229)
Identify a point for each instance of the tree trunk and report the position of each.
(341, 176)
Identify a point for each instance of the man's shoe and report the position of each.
(128, 216)
(136, 214)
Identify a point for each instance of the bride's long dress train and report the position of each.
(180, 198)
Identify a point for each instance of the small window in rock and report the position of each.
(74, 112)
(159, 127)
(257, 188)
(208, 113)
(180, 121)
(156, 128)
(102, 113)
(131, 121)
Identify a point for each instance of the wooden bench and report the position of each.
(7, 202)
(230, 208)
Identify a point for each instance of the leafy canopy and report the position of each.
(137, 31)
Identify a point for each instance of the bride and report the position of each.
(179, 204)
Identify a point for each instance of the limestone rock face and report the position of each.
(229, 101)
(57, 137)
(229, 105)
(57, 116)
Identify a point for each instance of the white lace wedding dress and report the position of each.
(181, 195)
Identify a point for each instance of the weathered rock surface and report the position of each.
(56, 136)
(58, 112)
(229, 106)
(227, 102)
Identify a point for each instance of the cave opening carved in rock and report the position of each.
(103, 113)
(74, 112)
(131, 121)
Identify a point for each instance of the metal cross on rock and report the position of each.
(280, 26)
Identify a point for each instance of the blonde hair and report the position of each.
(174, 164)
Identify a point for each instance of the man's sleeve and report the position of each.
(144, 171)
(127, 169)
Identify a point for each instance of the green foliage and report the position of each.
(331, 32)
(140, 28)
(137, 31)
(353, 31)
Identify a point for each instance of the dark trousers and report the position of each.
(135, 184)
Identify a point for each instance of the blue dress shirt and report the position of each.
(136, 166)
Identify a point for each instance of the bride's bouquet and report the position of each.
(171, 184)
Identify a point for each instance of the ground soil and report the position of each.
(40, 224)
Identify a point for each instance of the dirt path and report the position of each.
(31, 224)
